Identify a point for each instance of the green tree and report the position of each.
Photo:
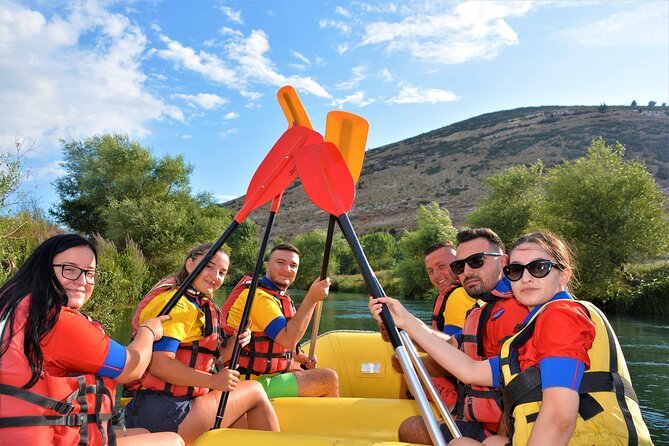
(652, 103)
(634, 104)
(108, 168)
(611, 211)
(379, 249)
(434, 225)
(510, 201)
(124, 282)
(311, 245)
(115, 188)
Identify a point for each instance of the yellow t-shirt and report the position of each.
(265, 310)
(188, 319)
(457, 306)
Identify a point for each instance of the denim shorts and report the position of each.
(157, 412)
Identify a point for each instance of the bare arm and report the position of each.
(450, 358)
(166, 367)
(557, 417)
(297, 325)
(138, 353)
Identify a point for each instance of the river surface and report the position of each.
(644, 340)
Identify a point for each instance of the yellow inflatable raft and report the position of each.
(368, 412)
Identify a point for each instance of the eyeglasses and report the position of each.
(72, 272)
(537, 268)
(475, 261)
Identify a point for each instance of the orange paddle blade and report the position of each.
(349, 133)
(292, 107)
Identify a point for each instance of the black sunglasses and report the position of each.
(537, 268)
(475, 261)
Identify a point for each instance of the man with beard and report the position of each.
(478, 264)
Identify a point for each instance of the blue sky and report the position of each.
(199, 78)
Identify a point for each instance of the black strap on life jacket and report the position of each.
(252, 353)
(64, 408)
(526, 386)
(438, 313)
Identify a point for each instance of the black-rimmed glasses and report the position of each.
(72, 272)
(537, 268)
(475, 261)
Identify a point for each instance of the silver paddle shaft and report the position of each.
(429, 385)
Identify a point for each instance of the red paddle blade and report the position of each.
(325, 177)
(277, 170)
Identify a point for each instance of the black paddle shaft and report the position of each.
(370, 279)
(243, 321)
(198, 268)
(328, 247)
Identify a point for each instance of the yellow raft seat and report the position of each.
(367, 413)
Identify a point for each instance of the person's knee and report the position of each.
(412, 430)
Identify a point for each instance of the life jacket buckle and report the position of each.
(64, 408)
(75, 419)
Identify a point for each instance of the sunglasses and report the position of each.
(475, 261)
(537, 268)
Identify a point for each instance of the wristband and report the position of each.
(148, 328)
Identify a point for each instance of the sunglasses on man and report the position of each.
(475, 261)
(537, 268)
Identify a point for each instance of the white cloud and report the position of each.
(46, 172)
(341, 49)
(227, 133)
(645, 23)
(343, 11)
(55, 85)
(207, 101)
(386, 75)
(471, 30)
(413, 95)
(208, 65)
(306, 63)
(231, 115)
(232, 15)
(186, 136)
(357, 98)
(342, 27)
(358, 76)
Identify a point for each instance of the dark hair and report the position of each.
(470, 234)
(47, 296)
(193, 254)
(284, 247)
(554, 246)
(435, 246)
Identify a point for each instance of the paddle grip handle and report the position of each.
(243, 321)
(198, 268)
(370, 279)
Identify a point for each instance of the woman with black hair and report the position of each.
(58, 369)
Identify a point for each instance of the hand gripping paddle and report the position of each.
(329, 184)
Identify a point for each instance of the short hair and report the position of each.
(284, 247)
(466, 235)
(436, 246)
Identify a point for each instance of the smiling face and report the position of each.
(478, 281)
(532, 291)
(281, 268)
(438, 269)
(212, 276)
(78, 291)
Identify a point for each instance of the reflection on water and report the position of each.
(644, 340)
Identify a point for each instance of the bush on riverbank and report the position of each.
(354, 283)
(646, 290)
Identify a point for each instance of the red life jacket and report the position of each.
(264, 355)
(199, 355)
(439, 307)
(481, 403)
(60, 411)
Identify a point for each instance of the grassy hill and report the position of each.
(448, 165)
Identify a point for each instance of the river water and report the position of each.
(644, 340)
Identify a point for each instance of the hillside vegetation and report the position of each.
(448, 165)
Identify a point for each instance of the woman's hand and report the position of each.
(226, 380)
(244, 337)
(155, 326)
